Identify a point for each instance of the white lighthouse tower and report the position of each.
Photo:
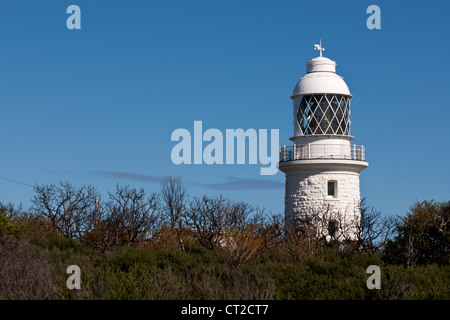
(322, 166)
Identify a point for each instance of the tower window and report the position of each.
(332, 188)
(332, 227)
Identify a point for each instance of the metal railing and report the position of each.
(322, 151)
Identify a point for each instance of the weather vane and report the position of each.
(319, 47)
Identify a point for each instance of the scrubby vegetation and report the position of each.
(171, 246)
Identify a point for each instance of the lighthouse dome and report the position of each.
(321, 78)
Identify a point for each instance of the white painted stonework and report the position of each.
(316, 159)
(309, 190)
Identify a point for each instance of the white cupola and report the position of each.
(321, 77)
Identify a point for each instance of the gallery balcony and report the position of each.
(312, 151)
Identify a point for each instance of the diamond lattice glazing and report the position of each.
(324, 114)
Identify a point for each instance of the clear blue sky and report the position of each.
(98, 105)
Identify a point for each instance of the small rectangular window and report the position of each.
(332, 188)
(332, 227)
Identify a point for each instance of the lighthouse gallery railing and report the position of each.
(321, 151)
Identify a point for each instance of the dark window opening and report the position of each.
(332, 188)
(332, 228)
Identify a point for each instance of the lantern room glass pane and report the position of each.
(324, 114)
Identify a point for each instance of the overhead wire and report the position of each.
(15, 181)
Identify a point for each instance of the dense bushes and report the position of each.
(423, 236)
(26, 272)
(37, 271)
(175, 247)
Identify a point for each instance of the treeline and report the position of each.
(165, 245)
(172, 219)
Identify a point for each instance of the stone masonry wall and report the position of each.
(307, 192)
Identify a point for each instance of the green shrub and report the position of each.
(423, 236)
(8, 227)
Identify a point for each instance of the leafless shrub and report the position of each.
(356, 229)
(207, 219)
(67, 207)
(251, 239)
(307, 232)
(130, 217)
(12, 212)
(374, 230)
(104, 232)
(299, 240)
(137, 214)
(237, 230)
(173, 195)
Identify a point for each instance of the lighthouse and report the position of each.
(322, 165)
